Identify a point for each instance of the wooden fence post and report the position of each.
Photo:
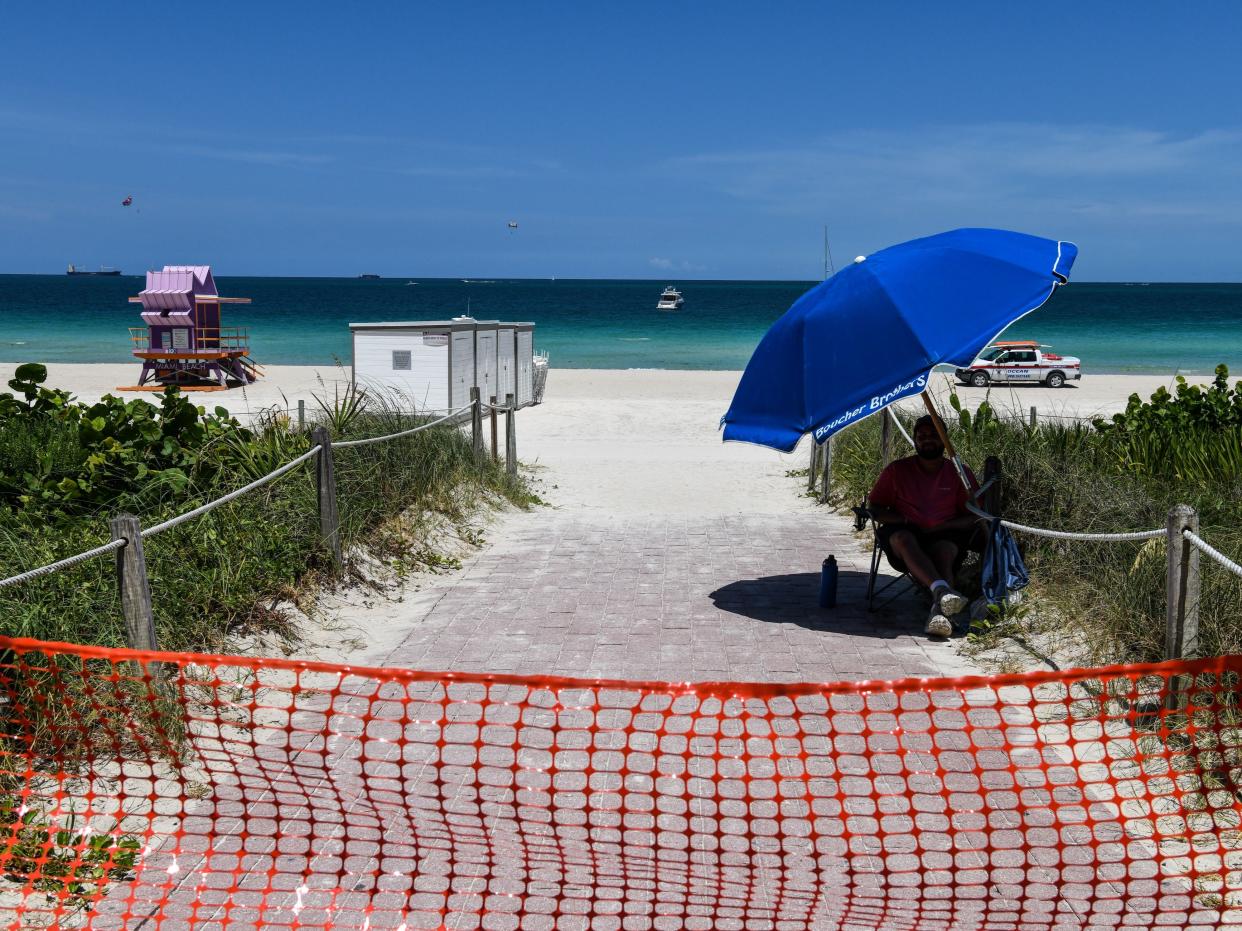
(810, 479)
(476, 426)
(1033, 416)
(825, 475)
(510, 437)
(495, 452)
(301, 415)
(992, 497)
(131, 580)
(325, 480)
(886, 436)
(1181, 630)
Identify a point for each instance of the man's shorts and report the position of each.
(962, 538)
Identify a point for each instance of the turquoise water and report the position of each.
(1156, 328)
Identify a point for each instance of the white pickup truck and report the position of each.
(1014, 361)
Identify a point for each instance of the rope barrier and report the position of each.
(1213, 552)
(211, 505)
(63, 564)
(343, 444)
(1068, 535)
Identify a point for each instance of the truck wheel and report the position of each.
(1056, 380)
(979, 379)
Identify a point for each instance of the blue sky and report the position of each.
(632, 140)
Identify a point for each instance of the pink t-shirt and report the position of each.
(925, 499)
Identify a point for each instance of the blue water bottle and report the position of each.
(828, 583)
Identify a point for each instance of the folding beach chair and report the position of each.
(863, 515)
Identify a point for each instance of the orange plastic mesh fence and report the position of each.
(176, 791)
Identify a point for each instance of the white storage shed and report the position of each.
(430, 362)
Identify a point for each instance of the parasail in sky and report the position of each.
(129, 199)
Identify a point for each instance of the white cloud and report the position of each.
(668, 265)
(999, 169)
(253, 156)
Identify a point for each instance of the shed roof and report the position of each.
(412, 324)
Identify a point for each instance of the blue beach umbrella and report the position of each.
(872, 333)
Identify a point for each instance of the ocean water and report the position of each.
(1157, 328)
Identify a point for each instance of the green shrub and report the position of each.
(66, 458)
(1193, 434)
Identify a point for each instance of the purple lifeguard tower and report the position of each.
(183, 342)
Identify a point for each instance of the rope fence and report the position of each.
(62, 564)
(1070, 535)
(231, 496)
(128, 534)
(1213, 552)
(451, 415)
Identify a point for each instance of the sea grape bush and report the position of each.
(1190, 406)
(1193, 433)
(60, 457)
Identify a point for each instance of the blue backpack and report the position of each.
(1003, 569)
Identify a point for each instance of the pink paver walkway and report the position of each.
(673, 598)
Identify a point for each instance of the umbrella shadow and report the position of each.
(793, 598)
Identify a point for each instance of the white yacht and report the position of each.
(670, 299)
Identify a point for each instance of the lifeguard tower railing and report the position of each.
(203, 340)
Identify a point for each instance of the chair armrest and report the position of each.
(862, 514)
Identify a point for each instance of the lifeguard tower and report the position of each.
(183, 342)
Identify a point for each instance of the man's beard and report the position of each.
(933, 453)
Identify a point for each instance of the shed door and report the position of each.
(506, 374)
(525, 367)
(461, 367)
(485, 363)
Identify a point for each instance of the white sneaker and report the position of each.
(950, 602)
(938, 625)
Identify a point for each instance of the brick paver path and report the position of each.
(670, 598)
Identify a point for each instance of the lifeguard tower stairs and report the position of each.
(183, 342)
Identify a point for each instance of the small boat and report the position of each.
(409, 283)
(670, 299)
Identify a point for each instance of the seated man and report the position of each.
(920, 505)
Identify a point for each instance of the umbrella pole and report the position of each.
(944, 438)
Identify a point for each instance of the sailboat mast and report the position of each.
(829, 268)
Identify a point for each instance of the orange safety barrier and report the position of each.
(153, 790)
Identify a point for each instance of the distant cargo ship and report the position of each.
(74, 270)
(369, 277)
